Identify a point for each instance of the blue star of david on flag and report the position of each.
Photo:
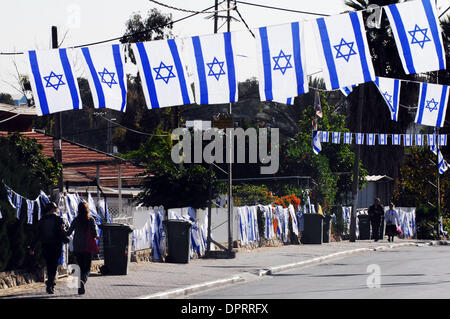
(286, 57)
(50, 83)
(340, 54)
(212, 69)
(169, 75)
(111, 76)
(424, 33)
(434, 107)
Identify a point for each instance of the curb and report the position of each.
(194, 288)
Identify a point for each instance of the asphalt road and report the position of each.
(404, 273)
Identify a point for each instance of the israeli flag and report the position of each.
(443, 165)
(346, 90)
(54, 86)
(17, 204)
(336, 137)
(343, 50)
(442, 139)
(407, 140)
(347, 138)
(382, 139)
(390, 90)
(417, 34)
(359, 138)
(317, 147)
(324, 136)
(213, 65)
(370, 139)
(431, 139)
(30, 209)
(104, 67)
(419, 139)
(396, 139)
(162, 73)
(432, 105)
(280, 52)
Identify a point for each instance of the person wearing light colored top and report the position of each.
(392, 222)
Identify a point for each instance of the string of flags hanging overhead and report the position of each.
(342, 48)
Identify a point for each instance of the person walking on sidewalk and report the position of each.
(51, 235)
(376, 213)
(392, 222)
(85, 233)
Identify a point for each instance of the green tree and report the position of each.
(26, 170)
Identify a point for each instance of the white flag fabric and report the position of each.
(370, 139)
(280, 52)
(55, 88)
(162, 72)
(359, 138)
(287, 101)
(431, 139)
(396, 139)
(104, 67)
(347, 138)
(336, 136)
(407, 140)
(442, 139)
(417, 34)
(324, 136)
(343, 50)
(390, 90)
(419, 139)
(30, 209)
(432, 104)
(382, 139)
(213, 64)
(346, 90)
(317, 147)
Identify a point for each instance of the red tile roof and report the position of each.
(86, 172)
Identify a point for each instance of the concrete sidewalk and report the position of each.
(165, 280)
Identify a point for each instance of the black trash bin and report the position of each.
(313, 229)
(326, 229)
(116, 248)
(364, 227)
(178, 240)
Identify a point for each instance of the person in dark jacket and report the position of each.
(84, 226)
(376, 213)
(50, 234)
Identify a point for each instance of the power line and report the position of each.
(191, 11)
(124, 36)
(282, 9)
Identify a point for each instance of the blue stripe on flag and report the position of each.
(361, 47)
(180, 71)
(423, 96)
(289, 101)
(295, 26)
(148, 75)
(434, 31)
(38, 81)
(120, 74)
(98, 86)
(70, 78)
(328, 54)
(266, 63)
(403, 38)
(230, 65)
(396, 93)
(200, 70)
(377, 81)
(440, 120)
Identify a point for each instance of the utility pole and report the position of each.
(361, 91)
(231, 158)
(438, 184)
(57, 143)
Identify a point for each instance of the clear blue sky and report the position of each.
(26, 24)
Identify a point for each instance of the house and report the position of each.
(381, 186)
(85, 170)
